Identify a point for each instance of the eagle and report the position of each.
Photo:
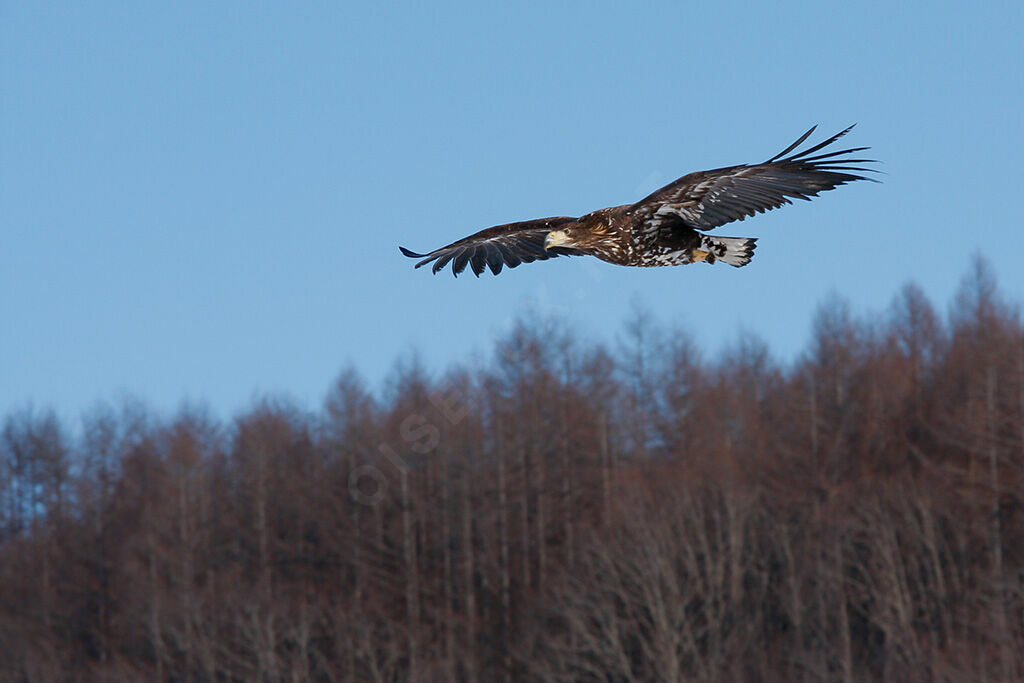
(669, 226)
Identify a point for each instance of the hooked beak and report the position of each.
(556, 238)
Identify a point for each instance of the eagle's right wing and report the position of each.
(707, 199)
(503, 245)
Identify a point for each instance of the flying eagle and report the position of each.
(668, 227)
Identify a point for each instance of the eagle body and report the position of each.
(617, 235)
(668, 227)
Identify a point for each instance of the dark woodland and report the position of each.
(571, 510)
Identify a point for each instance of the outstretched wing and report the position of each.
(708, 199)
(503, 245)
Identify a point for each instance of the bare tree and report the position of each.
(560, 512)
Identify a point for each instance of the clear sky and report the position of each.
(204, 201)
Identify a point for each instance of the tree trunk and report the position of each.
(606, 469)
(997, 535)
(845, 643)
(541, 521)
(814, 418)
(503, 558)
(447, 594)
(567, 492)
(469, 569)
(525, 510)
(412, 587)
(155, 631)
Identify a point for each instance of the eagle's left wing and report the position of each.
(503, 245)
(708, 199)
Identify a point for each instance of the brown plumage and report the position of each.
(666, 228)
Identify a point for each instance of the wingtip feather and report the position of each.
(410, 253)
(796, 144)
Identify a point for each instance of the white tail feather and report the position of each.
(736, 251)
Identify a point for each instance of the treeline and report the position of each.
(571, 511)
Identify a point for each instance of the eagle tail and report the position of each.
(736, 251)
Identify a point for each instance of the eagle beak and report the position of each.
(556, 238)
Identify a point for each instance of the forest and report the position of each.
(633, 509)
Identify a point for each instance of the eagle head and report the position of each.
(558, 238)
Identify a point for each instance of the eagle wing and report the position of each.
(708, 199)
(503, 245)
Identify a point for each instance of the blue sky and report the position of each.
(203, 201)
